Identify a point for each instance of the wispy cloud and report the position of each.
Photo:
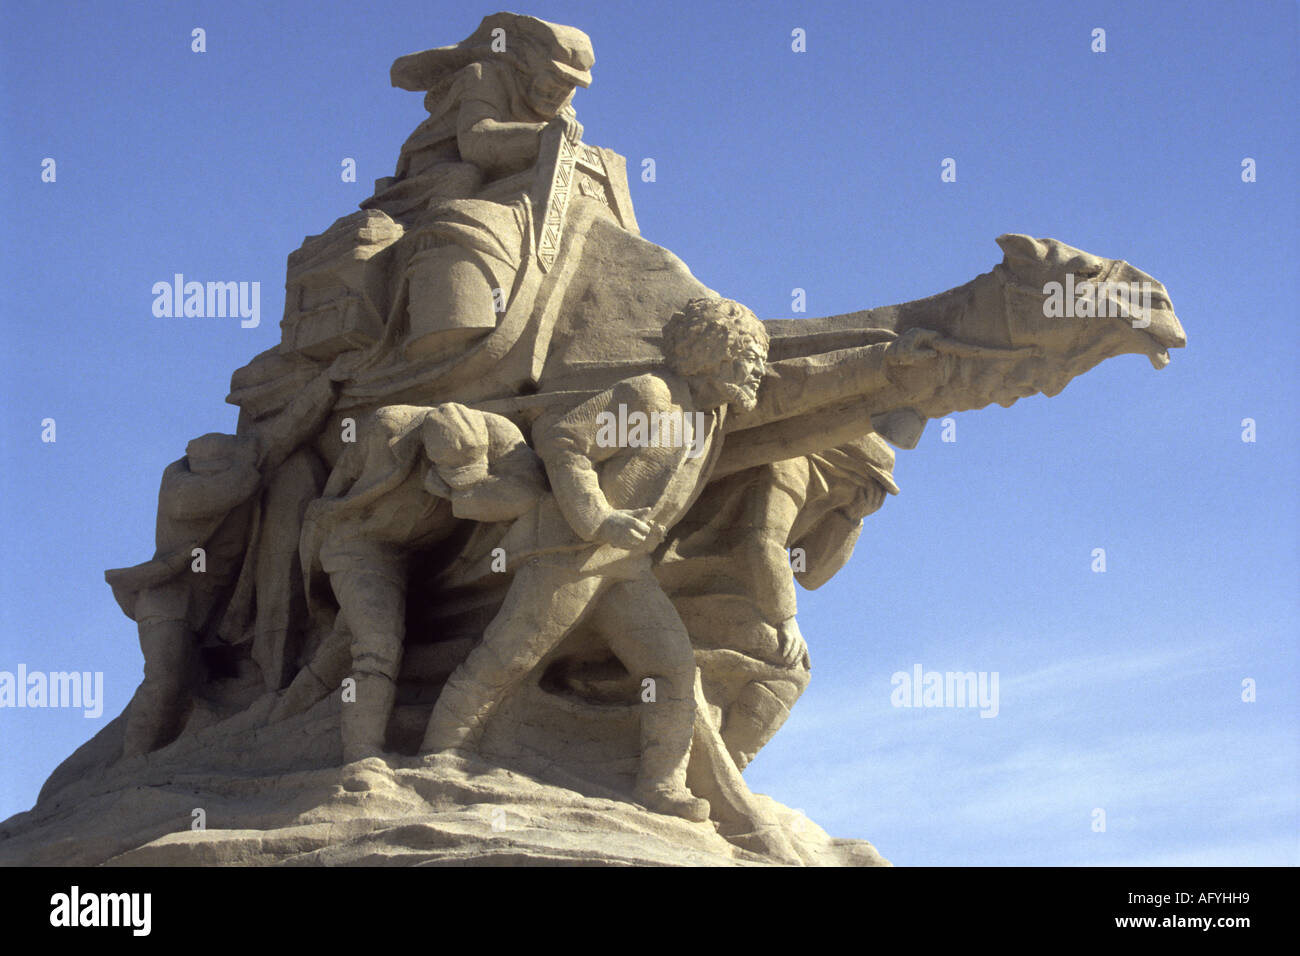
(946, 786)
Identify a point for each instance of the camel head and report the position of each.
(1047, 313)
(1071, 301)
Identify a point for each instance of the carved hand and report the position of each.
(569, 123)
(914, 364)
(794, 649)
(625, 529)
(913, 346)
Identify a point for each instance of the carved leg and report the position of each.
(770, 511)
(365, 720)
(543, 604)
(755, 716)
(372, 600)
(465, 250)
(451, 301)
(159, 706)
(322, 675)
(279, 574)
(646, 634)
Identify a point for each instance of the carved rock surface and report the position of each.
(394, 811)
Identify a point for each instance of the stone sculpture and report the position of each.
(379, 506)
(510, 512)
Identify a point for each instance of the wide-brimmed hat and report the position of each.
(564, 50)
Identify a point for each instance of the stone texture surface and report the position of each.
(391, 811)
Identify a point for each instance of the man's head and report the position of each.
(566, 50)
(552, 59)
(549, 92)
(456, 441)
(557, 59)
(216, 452)
(720, 346)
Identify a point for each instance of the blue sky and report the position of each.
(774, 170)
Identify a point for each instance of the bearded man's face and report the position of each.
(740, 376)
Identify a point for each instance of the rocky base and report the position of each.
(238, 790)
(441, 810)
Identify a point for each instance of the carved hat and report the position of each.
(534, 43)
(454, 435)
(865, 457)
(218, 446)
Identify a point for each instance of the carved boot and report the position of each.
(757, 713)
(666, 729)
(320, 678)
(156, 714)
(365, 720)
(459, 716)
(451, 302)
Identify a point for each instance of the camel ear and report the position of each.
(1018, 246)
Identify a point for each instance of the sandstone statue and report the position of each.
(500, 564)
(379, 506)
